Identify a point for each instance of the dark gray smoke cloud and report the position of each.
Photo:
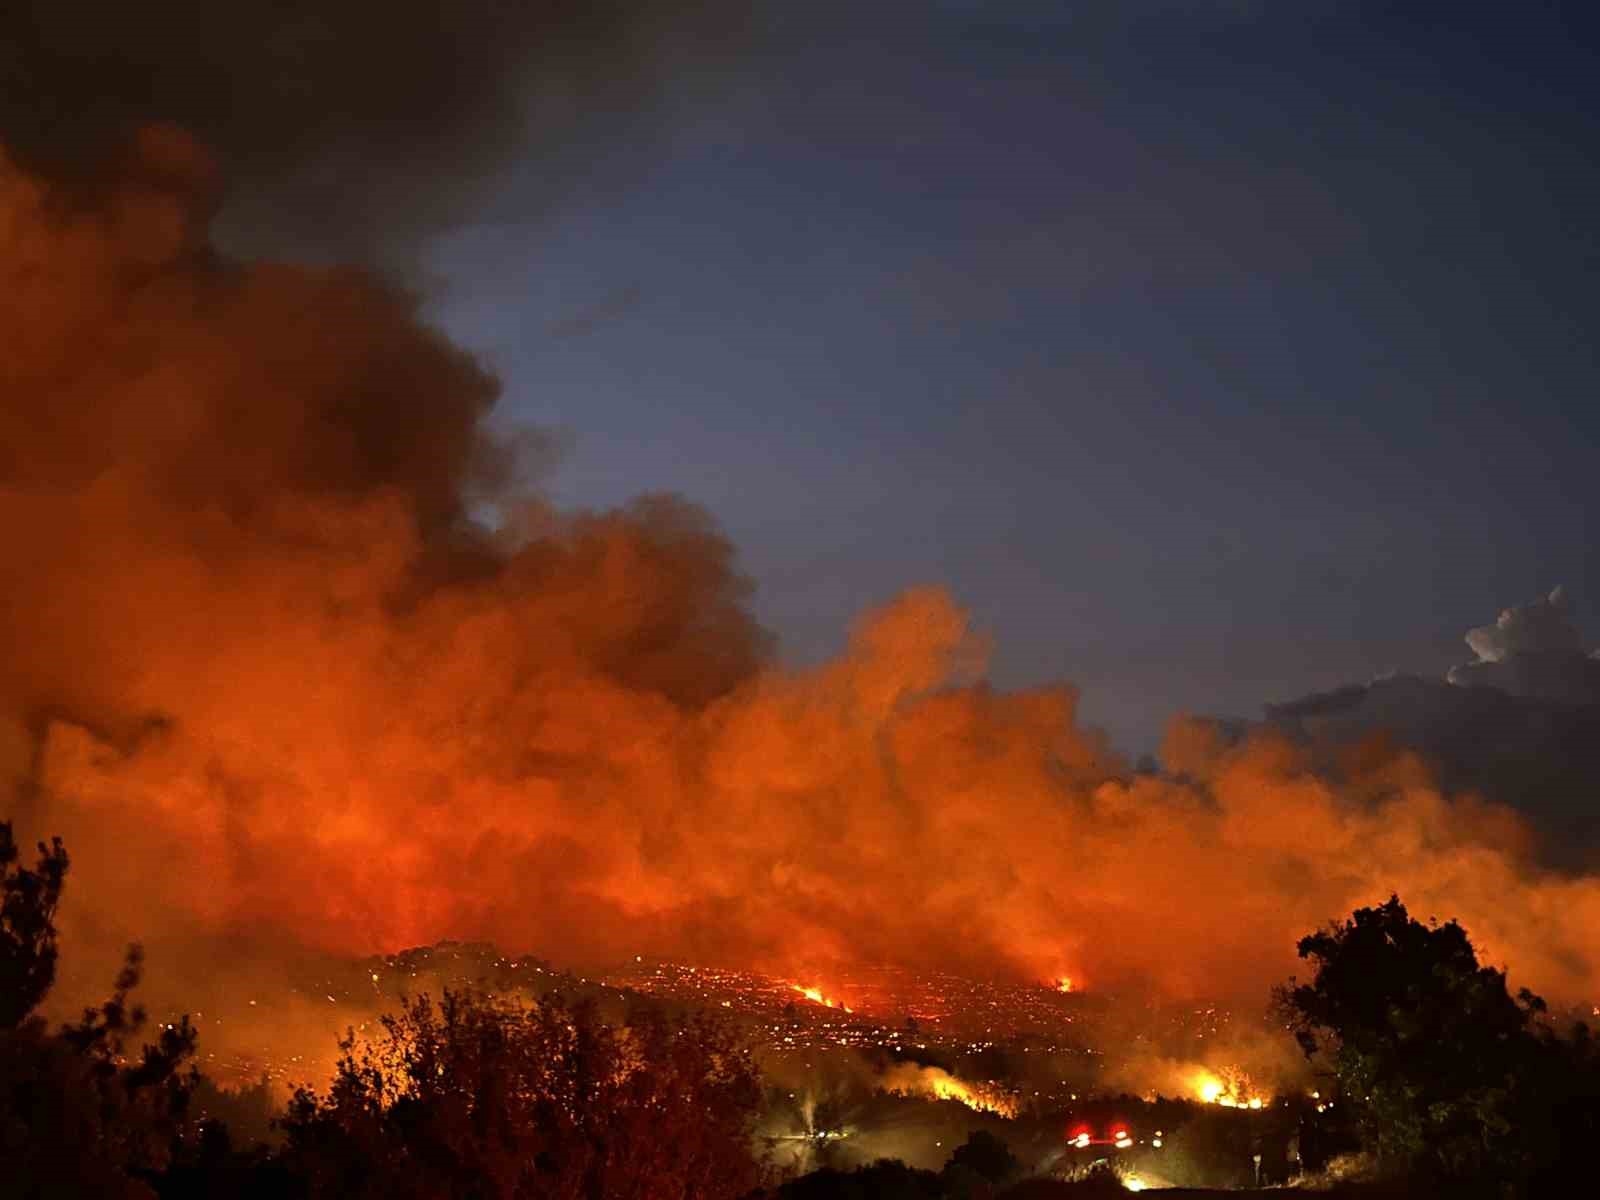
(340, 125)
(1521, 724)
(1541, 626)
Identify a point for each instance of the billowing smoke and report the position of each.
(280, 683)
(345, 125)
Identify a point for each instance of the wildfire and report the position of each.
(816, 996)
(909, 1079)
(1228, 1089)
(1065, 984)
(978, 1097)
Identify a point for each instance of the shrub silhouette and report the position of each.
(485, 1098)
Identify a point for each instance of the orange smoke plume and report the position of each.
(279, 683)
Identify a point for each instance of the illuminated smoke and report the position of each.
(1246, 1065)
(278, 687)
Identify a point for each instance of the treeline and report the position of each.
(1448, 1083)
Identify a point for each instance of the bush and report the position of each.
(987, 1157)
(482, 1098)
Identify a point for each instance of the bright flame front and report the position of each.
(1228, 1089)
(817, 996)
(910, 1079)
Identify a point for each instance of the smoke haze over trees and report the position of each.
(479, 1096)
(1450, 1081)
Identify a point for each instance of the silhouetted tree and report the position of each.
(28, 902)
(986, 1156)
(1447, 1075)
(480, 1098)
(81, 1114)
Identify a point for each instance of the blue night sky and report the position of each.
(1209, 353)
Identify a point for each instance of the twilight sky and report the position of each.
(1211, 353)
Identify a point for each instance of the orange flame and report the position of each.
(1229, 1088)
(978, 1098)
(816, 996)
(909, 1079)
